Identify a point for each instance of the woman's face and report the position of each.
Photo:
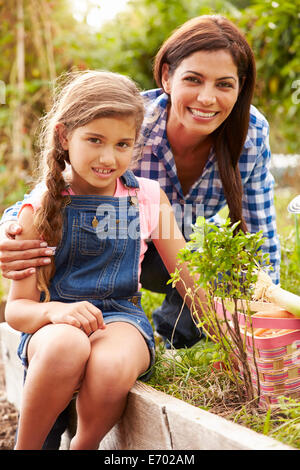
(203, 90)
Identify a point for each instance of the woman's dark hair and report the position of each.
(214, 33)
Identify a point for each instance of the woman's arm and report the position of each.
(24, 311)
(168, 240)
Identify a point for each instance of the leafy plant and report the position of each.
(223, 261)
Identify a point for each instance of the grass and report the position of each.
(190, 374)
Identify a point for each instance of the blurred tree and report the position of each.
(240, 4)
(129, 43)
(34, 48)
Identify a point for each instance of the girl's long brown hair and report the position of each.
(80, 98)
(212, 33)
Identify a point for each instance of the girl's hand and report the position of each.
(83, 315)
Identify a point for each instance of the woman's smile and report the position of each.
(197, 113)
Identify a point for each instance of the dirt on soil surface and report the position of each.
(8, 414)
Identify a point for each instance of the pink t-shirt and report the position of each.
(148, 196)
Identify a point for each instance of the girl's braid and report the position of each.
(49, 217)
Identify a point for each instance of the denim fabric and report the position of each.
(174, 325)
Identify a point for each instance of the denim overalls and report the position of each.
(98, 260)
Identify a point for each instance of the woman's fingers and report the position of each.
(12, 250)
(18, 275)
(17, 257)
(16, 270)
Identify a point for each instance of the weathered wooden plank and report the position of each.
(143, 425)
(2, 309)
(13, 369)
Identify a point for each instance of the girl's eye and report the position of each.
(124, 145)
(94, 140)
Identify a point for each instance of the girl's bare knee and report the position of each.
(62, 347)
(117, 376)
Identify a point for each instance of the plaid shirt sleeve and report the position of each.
(11, 213)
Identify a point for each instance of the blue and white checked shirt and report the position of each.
(206, 196)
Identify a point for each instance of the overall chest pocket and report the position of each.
(91, 241)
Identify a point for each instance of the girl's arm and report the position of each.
(168, 240)
(24, 311)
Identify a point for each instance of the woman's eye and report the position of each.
(225, 85)
(192, 79)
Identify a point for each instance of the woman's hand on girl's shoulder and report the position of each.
(21, 249)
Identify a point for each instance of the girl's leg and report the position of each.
(119, 355)
(57, 357)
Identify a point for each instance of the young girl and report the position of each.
(83, 326)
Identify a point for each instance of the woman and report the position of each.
(204, 143)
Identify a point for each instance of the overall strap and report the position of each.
(129, 179)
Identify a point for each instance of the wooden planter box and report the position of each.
(152, 420)
(2, 308)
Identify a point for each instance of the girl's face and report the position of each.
(99, 153)
(203, 90)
